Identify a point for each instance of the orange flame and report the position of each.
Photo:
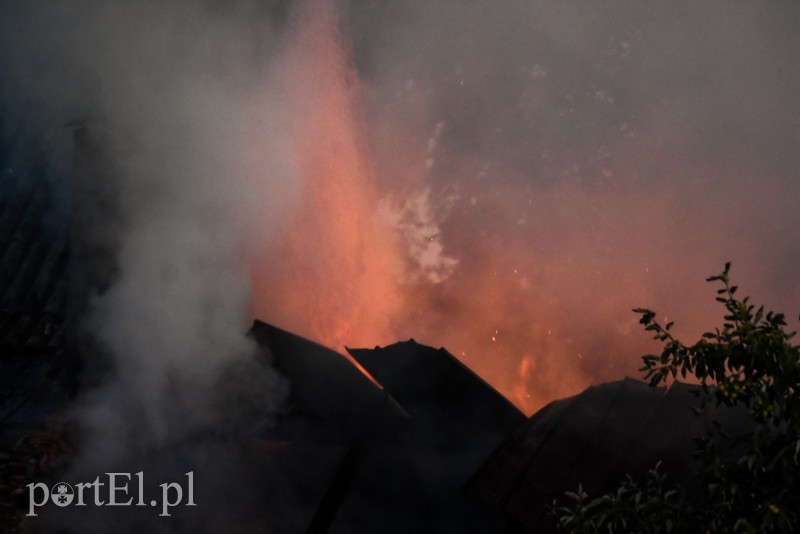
(522, 308)
(332, 276)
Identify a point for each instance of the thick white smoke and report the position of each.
(181, 99)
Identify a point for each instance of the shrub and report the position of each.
(749, 361)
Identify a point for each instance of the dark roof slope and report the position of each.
(413, 480)
(424, 379)
(595, 439)
(324, 384)
(33, 282)
(33, 250)
(33, 288)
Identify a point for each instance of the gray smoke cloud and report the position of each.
(584, 158)
(178, 95)
(545, 167)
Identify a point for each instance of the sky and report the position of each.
(505, 178)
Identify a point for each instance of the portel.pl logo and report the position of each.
(114, 492)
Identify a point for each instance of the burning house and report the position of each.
(385, 440)
(409, 436)
(402, 438)
(390, 443)
(177, 297)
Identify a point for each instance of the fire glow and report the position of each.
(455, 248)
(335, 278)
(342, 273)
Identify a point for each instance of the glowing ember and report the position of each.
(521, 396)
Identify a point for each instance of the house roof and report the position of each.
(325, 384)
(595, 439)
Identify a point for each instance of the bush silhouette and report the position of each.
(748, 483)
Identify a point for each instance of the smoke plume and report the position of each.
(505, 179)
(545, 168)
